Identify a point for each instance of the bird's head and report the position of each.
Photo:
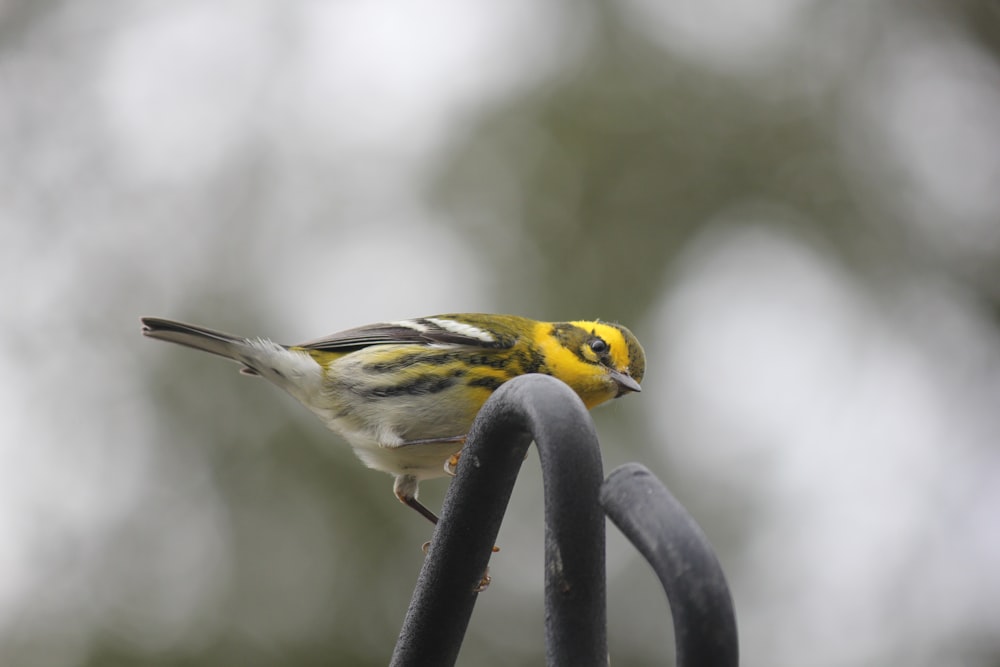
(599, 360)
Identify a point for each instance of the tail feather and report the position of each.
(295, 371)
(199, 338)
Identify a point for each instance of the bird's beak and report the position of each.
(625, 382)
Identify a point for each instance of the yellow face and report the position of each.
(600, 361)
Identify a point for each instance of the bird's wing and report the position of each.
(425, 331)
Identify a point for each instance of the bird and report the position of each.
(404, 393)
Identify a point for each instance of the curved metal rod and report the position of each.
(670, 539)
(530, 406)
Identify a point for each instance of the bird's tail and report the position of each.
(292, 369)
(225, 345)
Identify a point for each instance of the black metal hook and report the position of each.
(544, 409)
(670, 539)
(528, 407)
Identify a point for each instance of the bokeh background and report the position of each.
(795, 204)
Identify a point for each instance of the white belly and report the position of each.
(378, 423)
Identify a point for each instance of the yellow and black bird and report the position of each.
(405, 393)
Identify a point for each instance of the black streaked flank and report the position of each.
(420, 386)
(530, 360)
(406, 360)
(495, 361)
(487, 382)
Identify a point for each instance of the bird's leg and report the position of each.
(451, 465)
(421, 509)
(405, 488)
(406, 485)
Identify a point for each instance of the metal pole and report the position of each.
(663, 531)
(528, 407)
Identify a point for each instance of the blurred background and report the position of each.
(794, 204)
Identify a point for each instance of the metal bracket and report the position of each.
(673, 543)
(543, 409)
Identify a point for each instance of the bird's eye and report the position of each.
(599, 346)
